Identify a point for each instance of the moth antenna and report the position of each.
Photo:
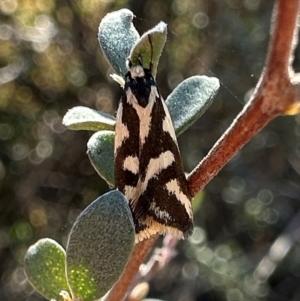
(140, 60)
(151, 60)
(128, 63)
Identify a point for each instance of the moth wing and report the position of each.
(126, 149)
(163, 203)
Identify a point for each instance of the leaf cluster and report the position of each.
(102, 238)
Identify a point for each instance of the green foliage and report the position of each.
(101, 154)
(82, 118)
(186, 103)
(149, 47)
(98, 249)
(102, 238)
(116, 37)
(45, 265)
(190, 99)
(99, 246)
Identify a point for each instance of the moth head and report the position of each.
(135, 71)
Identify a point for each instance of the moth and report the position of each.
(148, 168)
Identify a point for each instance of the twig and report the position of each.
(277, 93)
(160, 258)
(140, 251)
(279, 250)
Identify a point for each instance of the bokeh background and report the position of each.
(246, 241)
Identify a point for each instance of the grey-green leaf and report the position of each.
(101, 154)
(44, 266)
(156, 36)
(99, 246)
(116, 36)
(83, 118)
(190, 99)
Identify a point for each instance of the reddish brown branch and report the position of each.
(140, 251)
(277, 93)
(283, 37)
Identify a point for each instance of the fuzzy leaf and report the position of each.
(99, 246)
(101, 154)
(116, 37)
(142, 48)
(83, 118)
(190, 99)
(44, 266)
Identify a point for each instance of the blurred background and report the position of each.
(246, 241)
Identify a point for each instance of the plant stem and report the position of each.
(140, 251)
(277, 93)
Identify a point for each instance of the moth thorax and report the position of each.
(137, 71)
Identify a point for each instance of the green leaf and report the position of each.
(142, 49)
(82, 118)
(116, 37)
(44, 266)
(101, 154)
(190, 99)
(99, 246)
